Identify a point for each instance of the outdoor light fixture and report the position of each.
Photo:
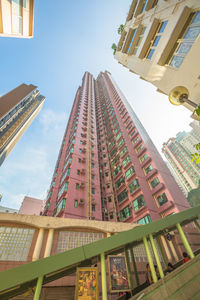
(179, 95)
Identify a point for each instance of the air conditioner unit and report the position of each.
(81, 202)
(83, 171)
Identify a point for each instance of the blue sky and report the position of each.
(70, 38)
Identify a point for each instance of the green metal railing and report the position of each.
(19, 279)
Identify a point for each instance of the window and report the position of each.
(131, 37)
(139, 39)
(113, 152)
(139, 202)
(130, 172)
(148, 169)
(118, 136)
(60, 206)
(144, 157)
(124, 150)
(119, 182)
(115, 160)
(92, 165)
(109, 199)
(77, 186)
(17, 17)
(145, 220)
(117, 171)
(133, 186)
(93, 207)
(139, 148)
(111, 215)
(93, 190)
(63, 188)
(111, 145)
(126, 161)
(136, 140)
(125, 213)
(78, 172)
(155, 182)
(75, 203)
(162, 199)
(156, 39)
(15, 243)
(92, 176)
(79, 160)
(123, 195)
(121, 143)
(184, 44)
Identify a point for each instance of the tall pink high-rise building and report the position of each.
(108, 168)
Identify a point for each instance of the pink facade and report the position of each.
(31, 206)
(75, 187)
(108, 167)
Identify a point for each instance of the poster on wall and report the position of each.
(87, 284)
(118, 274)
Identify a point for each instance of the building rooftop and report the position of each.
(12, 98)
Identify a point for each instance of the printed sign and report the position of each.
(87, 284)
(118, 274)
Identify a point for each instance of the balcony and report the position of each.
(141, 151)
(169, 204)
(151, 173)
(144, 163)
(137, 143)
(158, 188)
(140, 210)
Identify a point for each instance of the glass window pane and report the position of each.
(176, 61)
(164, 24)
(157, 39)
(192, 33)
(196, 18)
(150, 54)
(184, 48)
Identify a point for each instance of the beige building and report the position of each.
(160, 42)
(16, 18)
(18, 108)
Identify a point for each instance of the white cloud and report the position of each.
(29, 167)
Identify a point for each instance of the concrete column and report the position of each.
(185, 241)
(156, 256)
(38, 288)
(129, 269)
(103, 277)
(49, 243)
(168, 254)
(173, 250)
(151, 264)
(161, 251)
(134, 266)
(38, 245)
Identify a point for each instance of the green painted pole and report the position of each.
(130, 279)
(185, 241)
(197, 225)
(103, 277)
(156, 256)
(134, 267)
(151, 264)
(161, 251)
(38, 288)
